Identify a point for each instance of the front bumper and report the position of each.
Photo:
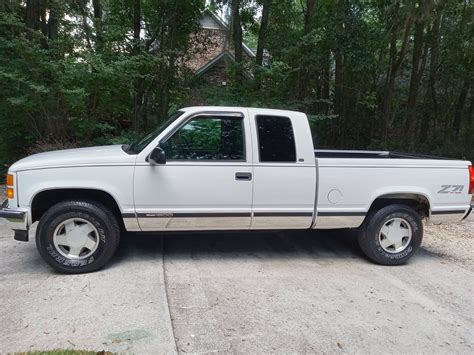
(17, 219)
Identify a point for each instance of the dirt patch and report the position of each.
(452, 241)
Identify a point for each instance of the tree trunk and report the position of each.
(325, 83)
(262, 32)
(396, 59)
(469, 128)
(99, 37)
(53, 21)
(417, 68)
(237, 31)
(308, 15)
(43, 21)
(459, 110)
(137, 18)
(433, 70)
(33, 10)
(339, 75)
(139, 86)
(338, 81)
(304, 74)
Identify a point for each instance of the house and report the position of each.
(212, 50)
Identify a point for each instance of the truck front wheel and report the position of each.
(391, 235)
(77, 236)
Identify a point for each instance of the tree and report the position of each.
(237, 31)
(401, 23)
(369, 74)
(262, 32)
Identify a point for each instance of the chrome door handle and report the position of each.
(243, 176)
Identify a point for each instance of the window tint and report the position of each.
(207, 138)
(276, 140)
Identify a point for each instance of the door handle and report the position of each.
(243, 176)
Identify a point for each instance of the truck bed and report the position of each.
(370, 154)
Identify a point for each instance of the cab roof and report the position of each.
(266, 111)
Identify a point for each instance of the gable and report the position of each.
(222, 59)
(208, 22)
(211, 45)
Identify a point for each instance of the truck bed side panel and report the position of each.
(348, 187)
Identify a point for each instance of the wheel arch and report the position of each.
(44, 199)
(420, 202)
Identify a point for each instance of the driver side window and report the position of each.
(207, 138)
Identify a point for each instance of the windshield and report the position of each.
(138, 146)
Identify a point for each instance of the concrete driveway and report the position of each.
(237, 293)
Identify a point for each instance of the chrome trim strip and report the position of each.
(191, 215)
(341, 214)
(131, 224)
(194, 223)
(216, 214)
(283, 214)
(339, 221)
(286, 221)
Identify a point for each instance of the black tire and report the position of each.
(96, 214)
(369, 234)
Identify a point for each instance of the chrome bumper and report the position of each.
(17, 219)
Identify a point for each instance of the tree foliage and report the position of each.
(370, 74)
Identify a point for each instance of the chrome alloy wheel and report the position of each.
(395, 235)
(76, 238)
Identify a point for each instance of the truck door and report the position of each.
(206, 183)
(284, 171)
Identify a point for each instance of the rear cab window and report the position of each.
(276, 139)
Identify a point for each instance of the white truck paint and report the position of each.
(317, 189)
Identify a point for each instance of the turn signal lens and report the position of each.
(9, 180)
(10, 193)
(471, 179)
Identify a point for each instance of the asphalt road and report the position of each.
(237, 293)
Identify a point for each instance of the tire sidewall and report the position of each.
(371, 236)
(59, 214)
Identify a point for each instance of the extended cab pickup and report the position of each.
(229, 168)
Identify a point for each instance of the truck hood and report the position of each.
(104, 155)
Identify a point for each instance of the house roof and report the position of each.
(218, 23)
(221, 56)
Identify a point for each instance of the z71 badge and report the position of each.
(451, 189)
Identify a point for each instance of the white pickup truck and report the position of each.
(229, 168)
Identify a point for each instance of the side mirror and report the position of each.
(157, 156)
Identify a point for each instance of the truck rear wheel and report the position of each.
(77, 236)
(391, 235)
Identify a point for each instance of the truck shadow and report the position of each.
(334, 244)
